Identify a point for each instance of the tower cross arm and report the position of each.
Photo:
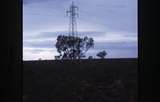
(68, 12)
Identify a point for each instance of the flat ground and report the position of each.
(109, 80)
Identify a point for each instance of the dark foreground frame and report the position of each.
(12, 47)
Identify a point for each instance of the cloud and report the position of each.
(30, 53)
(43, 35)
(34, 1)
(101, 14)
(116, 37)
(112, 42)
(102, 35)
(35, 56)
(118, 45)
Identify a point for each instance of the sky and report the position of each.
(111, 23)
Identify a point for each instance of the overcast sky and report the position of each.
(111, 23)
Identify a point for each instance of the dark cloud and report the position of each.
(39, 1)
(41, 44)
(33, 1)
(118, 45)
(98, 45)
(55, 34)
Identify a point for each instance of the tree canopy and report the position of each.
(71, 47)
(102, 54)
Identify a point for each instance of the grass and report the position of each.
(108, 80)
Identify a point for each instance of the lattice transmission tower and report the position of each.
(72, 12)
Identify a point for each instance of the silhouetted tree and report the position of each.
(102, 54)
(71, 47)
